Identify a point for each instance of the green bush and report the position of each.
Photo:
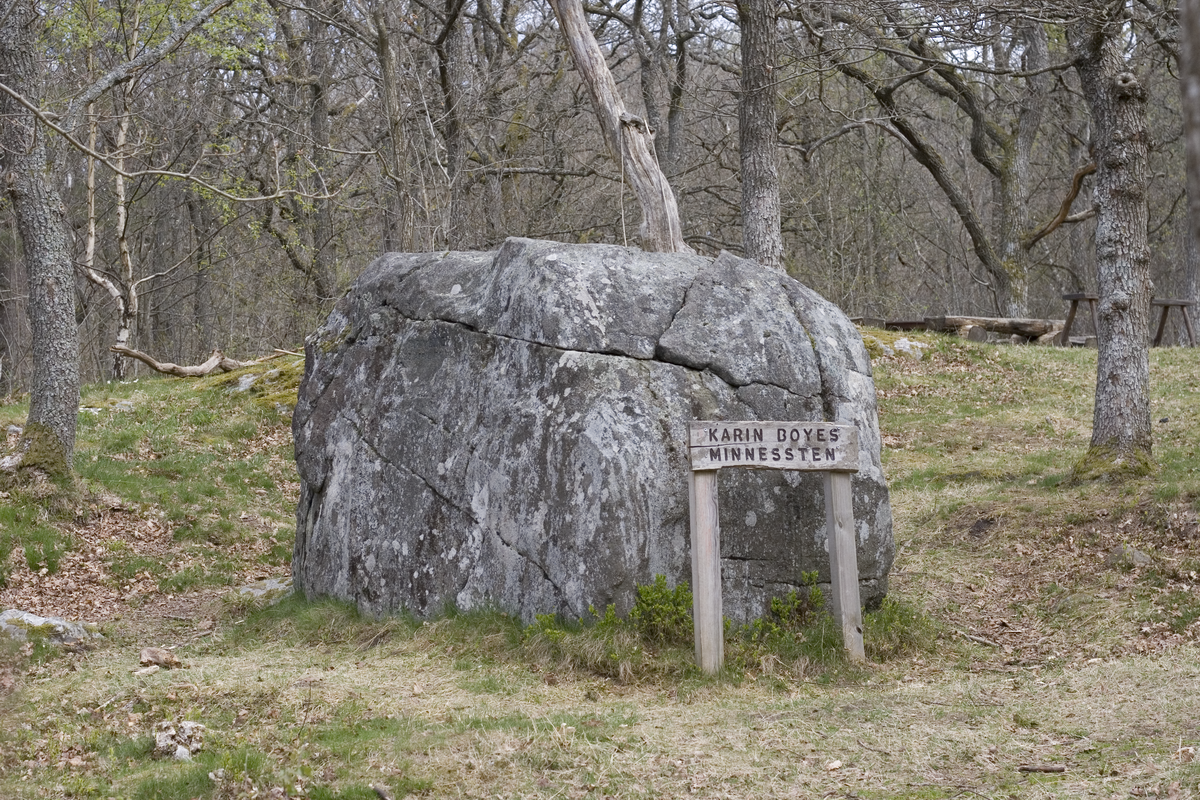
(663, 615)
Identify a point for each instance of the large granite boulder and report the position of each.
(510, 429)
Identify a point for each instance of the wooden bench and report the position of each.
(1076, 298)
(1167, 305)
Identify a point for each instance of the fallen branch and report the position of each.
(217, 361)
(1042, 768)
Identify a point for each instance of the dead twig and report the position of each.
(872, 749)
(977, 639)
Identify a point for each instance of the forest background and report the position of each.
(226, 192)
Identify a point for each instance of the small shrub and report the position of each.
(663, 615)
(799, 608)
(548, 625)
(797, 630)
(896, 630)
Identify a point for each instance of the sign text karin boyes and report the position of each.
(774, 445)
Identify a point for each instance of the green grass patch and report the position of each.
(176, 782)
(27, 520)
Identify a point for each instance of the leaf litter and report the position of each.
(1056, 675)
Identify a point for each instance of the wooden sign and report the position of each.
(774, 445)
(830, 448)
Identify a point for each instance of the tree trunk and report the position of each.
(449, 47)
(398, 207)
(629, 139)
(41, 224)
(762, 237)
(1121, 436)
(303, 228)
(323, 262)
(677, 81)
(1016, 171)
(1189, 57)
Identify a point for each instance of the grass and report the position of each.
(214, 463)
(1005, 642)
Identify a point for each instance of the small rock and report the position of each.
(177, 742)
(245, 382)
(163, 658)
(22, 625)
(147, 670)
(914, 350)
(273, 589)
(1127, 556)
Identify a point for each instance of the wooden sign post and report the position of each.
(809, 446)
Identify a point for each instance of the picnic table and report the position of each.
(1075, 298)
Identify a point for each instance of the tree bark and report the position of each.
(398, 206)
(629, 138)
(323, 260)
(1121, 435)
(676, 83)
(448, 47)
(762, 237)
(1189, 83)
(41, 223)
(1016, 170)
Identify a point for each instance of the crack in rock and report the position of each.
(550, 387)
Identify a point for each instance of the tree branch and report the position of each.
(127, 70)
(49, 119)
(1064, 210)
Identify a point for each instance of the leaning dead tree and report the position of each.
(629, 138)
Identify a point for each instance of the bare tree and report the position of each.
(629, 138)
(1121, 434)
(992, 67)
(1189, 79)
(49, 436)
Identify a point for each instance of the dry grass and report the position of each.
(1048, 659)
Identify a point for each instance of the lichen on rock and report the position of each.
(510, 429)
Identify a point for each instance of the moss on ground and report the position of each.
(1108, 463)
